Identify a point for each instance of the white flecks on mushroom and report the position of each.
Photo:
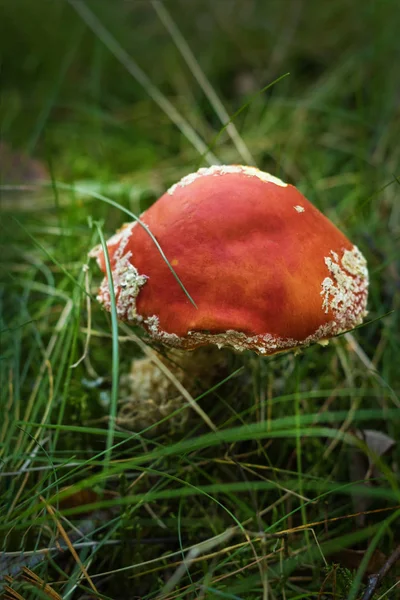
(122, 235)
(153, 326)
(223, 170)
(300, 209)
(262, 344)
(130, 283)
(127, 283)
(345, 291)
(126, 278)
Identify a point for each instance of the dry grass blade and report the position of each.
(89, 319)
(11, 594)
(38, 582)
(192, 555)
(68, 542)
(181, 389)
(6, 415)
(133, 69)
(204, 83)
(45, 365)
(355, 347)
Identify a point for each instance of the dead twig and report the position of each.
(375, 580)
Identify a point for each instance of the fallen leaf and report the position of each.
(378, 443)
(81, 499)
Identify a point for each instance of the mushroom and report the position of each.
(266, 269)
(268, 272)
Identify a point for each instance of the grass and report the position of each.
(118, 108)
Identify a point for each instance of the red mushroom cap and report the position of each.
(265, 268)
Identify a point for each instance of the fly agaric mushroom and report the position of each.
(267, 271)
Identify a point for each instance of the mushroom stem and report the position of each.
(148, 395)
